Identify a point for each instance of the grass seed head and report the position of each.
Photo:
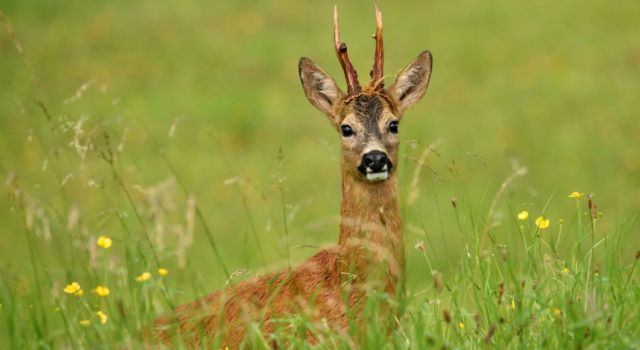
(446, 316)
(490, 333)
(437, 281)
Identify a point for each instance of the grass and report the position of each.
(181, 132)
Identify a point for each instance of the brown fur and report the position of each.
(370, 236)
(332, 285)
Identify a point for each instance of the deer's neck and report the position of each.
(370, 228)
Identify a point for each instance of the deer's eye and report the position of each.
(393, 127)
(346, 130)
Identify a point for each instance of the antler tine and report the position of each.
(350, 74)
(378, 63)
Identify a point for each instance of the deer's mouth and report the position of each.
(375, 175)
(378, 176)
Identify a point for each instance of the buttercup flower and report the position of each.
(461, 325)
(101, 291)
(104, 242)
(84, 323)
(542, 223)
(576, 194)
(74, 288)
(523, 215)
(556, 311)
(145, 276)
(102, 317)
(163, 272)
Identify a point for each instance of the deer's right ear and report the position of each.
(321, 90)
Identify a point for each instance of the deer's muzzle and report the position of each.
(375, 166)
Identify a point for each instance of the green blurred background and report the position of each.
(212, 87)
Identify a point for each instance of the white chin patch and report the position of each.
(375, 177)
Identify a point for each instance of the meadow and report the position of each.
(151, 152)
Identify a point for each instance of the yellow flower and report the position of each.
(461, 325)
(101, 291)
(145, 276)
(163, 272)
(513, 304)
(556, 311)
(565, 270)
(102, 317)
(74, 288)
(576, 194)
(523, 215)
(85, 323)
(542, 223)
(104, 242)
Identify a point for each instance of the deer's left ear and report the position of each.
(412, 82)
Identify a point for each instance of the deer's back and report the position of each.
(313, 290)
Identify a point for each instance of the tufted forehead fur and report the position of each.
(366, 113)
(367, 107)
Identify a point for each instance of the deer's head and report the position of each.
(367, 118)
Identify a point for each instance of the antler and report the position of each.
(378, 63)
(350, 74)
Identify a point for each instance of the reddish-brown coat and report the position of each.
(369, 255)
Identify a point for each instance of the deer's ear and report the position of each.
(321, 90)
(412, 82)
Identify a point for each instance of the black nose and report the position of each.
(376, 161)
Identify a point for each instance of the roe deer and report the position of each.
(332, 285)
